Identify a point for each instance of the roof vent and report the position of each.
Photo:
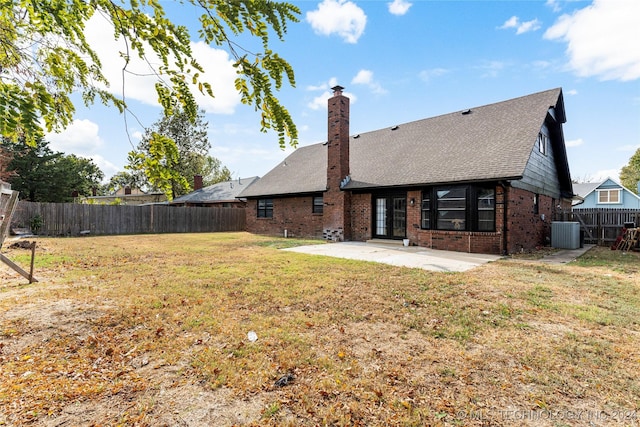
(356, 136)
(465, 112)
(395, 127)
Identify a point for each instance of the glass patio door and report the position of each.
(390, 216)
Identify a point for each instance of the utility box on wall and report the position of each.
(565, 235)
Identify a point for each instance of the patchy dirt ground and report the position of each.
(496, 346)
(174, 401)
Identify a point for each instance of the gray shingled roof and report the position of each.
(583, 189)
(226, 191)
(491, 142)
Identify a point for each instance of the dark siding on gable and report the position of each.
(541, 175)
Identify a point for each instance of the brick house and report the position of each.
(488, 179)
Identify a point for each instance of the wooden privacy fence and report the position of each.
(601, 226)
(69, 219)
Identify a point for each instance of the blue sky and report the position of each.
(402, 61)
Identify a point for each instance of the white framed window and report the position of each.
(609, 196)
(543, 142)
(317, 204)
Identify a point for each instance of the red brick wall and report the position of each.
(337, 210)
(293, 214)
(361, 217)
(526, 229)
(460, 241)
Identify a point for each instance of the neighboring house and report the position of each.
(128, 196)
(487, 179)
(223, 194)
(607, 194)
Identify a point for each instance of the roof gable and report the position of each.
(584, 189)
(485, 143)
(220, 192)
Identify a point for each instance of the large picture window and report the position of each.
(265, 208)
(451, 208)
(461, 207)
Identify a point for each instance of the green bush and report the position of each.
(36, 223)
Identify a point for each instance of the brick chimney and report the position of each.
(197, 182)
(337, 203)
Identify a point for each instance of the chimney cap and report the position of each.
(337, 90)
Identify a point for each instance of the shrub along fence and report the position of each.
(70, 219)
(601, 226)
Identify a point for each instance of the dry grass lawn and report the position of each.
(152, 330)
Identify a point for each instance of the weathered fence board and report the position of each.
(69, 219)
(601, 226)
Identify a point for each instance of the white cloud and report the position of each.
(80, 138)
(554, 5)
(320, 102)
(365, 77)
(340, 17)
(510, 23)
(140, 75)
(574, 142)
(601, 39)
(399, 7)
(491, 68)
(219, 72)
(322, 86)
(107, 168)
(603, 174)
(427, 75)
(525, 27)
(571, 92)
(521, 27)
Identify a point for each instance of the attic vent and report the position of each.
(465, 112)
(356, 136)
(395, 127)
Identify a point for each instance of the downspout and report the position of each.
(504, 217)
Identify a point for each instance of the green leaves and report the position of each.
(630, 174)
(45, 57)
(41, 175)
(173, 151)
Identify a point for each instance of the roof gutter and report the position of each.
(353, 185)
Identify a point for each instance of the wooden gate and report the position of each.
(8, 203)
